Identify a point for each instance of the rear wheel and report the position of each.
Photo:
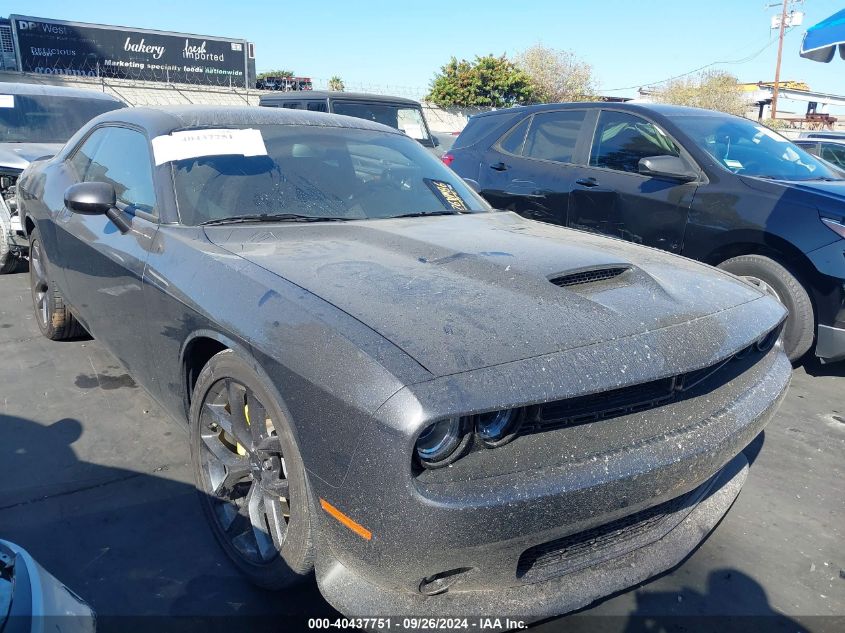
(773, 278)
(52, 315)
(250, 477)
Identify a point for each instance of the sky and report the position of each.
(403, 44)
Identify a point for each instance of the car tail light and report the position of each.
(447, 159)
(833, 225)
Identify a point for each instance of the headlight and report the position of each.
(438, 444)
(498, 427)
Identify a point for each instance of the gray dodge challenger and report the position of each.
(438, 408)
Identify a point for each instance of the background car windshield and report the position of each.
(408, 120)
(321, 172)
(749, 149)
(48, 119)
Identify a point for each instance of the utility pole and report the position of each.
(777, 67)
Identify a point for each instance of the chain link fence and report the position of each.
(152, 85)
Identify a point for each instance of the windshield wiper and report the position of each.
(425, 214)
(271, 217)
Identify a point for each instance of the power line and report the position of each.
(700, 68)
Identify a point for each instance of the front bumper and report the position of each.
(40, 602)
(830, 343)
(488, 525)
(354, 596)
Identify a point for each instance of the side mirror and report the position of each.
(671, 167)
(90, 198)
(96, 198)
(435, 140)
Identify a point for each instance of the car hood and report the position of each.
(469, 291)
(825, 195)
(20, 155)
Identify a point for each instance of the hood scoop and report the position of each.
(588, 276)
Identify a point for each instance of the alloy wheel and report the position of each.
(38, 283)
(244, 471)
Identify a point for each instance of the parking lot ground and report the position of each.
(95, 483)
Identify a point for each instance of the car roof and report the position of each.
(664, 109)
(823, 134)
(54, 91)
(812, 140)
(166, 119)
(304, 95)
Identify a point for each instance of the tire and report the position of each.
(772, 277)
(9, 261)
(51, 313)
(254, 494)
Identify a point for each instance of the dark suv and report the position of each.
(397, 112)
(714, 187)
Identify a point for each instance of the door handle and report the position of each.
(587, 182)
(500, 166)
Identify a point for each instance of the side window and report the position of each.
(553, 135)
(292, 105)
(513, 141)
(81, 159)
(834, 154)
(622, 139)
(122, 158)
(317, 106)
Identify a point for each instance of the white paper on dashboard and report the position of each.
(7, 101)
(208, 142)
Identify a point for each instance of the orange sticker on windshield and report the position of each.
(447, 194)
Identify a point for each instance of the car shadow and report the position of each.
(134, 545)
(816, 368)
(732, 601)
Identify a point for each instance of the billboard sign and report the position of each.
(93, 50)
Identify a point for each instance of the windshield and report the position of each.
(45, 118)
(321, 172)
(406, 119)
(749, 149)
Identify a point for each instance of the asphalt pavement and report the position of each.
(95, 483)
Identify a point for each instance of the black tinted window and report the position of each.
(122, 158)
(292, 105)
(514, 140)
(479, 126)
(622, 139)
(553, 135)
(317, 106)
(46, 118)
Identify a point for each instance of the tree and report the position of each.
(275, 73)
(486, 81)
(557, 75)
(336, 83)
(713, 90)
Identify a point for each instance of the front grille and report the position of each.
(627, 400)
(606, 541)
(588, 276)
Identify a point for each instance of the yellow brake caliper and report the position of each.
(240, 448)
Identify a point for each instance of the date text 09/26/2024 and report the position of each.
(417, 624)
